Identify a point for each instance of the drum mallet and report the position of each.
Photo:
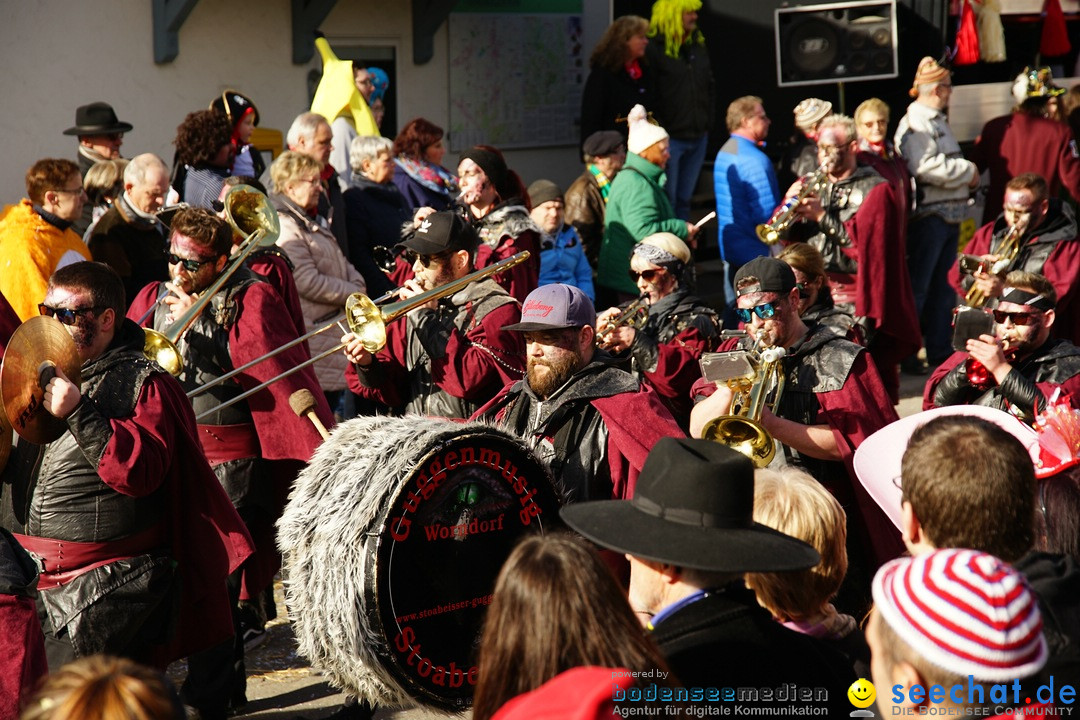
(303, 404)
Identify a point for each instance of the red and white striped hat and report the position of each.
(965, 611)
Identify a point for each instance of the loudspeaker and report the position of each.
(819, 44)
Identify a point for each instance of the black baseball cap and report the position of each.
(772, 275)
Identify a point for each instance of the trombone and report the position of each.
(367, 321)
(246, 210)
(291, 344)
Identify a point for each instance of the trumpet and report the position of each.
(247, 210)
(633, 315)
(778, 226)
(1007, 252)
(742, 430)
(978, 376)
(367, 321)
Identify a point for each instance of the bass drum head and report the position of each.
(393, 539)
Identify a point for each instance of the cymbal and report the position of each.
(38, 340)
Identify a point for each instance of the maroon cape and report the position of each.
(635, 421)
(22, 662)
(882, 285)
(521, 279)
(277, 273)
(159, 445)
(1019, 143)
(677, 369)
(1061, 269)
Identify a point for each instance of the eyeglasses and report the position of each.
(76, 191)
(192, 266)
(763, 311)
(411, 256)
(1017, 318)
(68, 316)
(649, 275)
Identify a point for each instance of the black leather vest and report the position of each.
(205, 350)
(841, 201)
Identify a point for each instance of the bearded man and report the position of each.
(593, 423)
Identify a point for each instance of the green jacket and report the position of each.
(637, 208)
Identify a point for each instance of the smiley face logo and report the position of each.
(862, 694)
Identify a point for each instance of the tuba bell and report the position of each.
(742, 429)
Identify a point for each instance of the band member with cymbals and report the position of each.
(122, 510)
(451, 355)
(241, 322)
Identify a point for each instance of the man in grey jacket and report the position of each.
(943, 180)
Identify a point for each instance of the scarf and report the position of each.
(602, 181)
(433, 177)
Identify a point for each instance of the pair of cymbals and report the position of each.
(36, 345)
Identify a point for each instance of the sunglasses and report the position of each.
(68, 316)
(411, 256)
(1017, 318)
(649, 275)
(192, 266)
(763, 311)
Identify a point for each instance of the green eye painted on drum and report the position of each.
(468, 494)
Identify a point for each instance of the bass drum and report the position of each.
(392, 540)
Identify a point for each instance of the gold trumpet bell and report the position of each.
(162, 351)
(742, 435)
(365, 320)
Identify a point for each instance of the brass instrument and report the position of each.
(1007, 252)
(246, 210)
(742, 430)
(633, 315)
(277, 351)
(367, 321)
(776, 229)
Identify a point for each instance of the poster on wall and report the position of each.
(517, 70)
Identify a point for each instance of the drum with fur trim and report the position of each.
(392, 540)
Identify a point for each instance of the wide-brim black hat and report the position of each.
(97, 119)
(693, 507)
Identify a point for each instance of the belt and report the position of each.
(61, 561)
(222, 443)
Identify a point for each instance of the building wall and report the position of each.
(59, 54)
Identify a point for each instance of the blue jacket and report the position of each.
(746, 195)
(562, 260)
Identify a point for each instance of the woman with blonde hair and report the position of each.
(556, 606)
(324, 277)
(794, 503)
(101, 687)
(619, 78)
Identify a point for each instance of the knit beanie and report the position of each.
(930, 71)
(964, 611)
(542, 191)
(491, 163)
(642, 132)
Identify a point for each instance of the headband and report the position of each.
(659, 256)
(1024, 297)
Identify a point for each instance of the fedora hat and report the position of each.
(693, 507)
(97, 119)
